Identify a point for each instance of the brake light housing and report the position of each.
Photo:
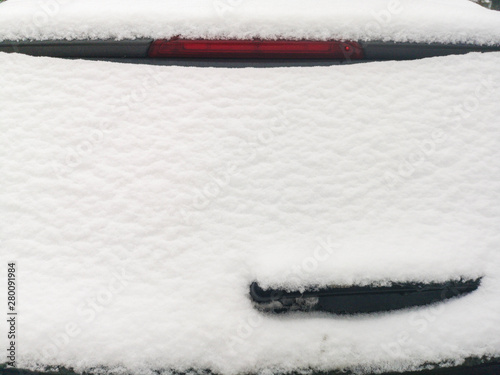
(255, 49)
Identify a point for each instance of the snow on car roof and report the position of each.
(140, 202)
(448, 21)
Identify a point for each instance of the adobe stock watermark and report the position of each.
(46, 11)
(12, 314)
(407, 341)
(74, 156)
(87, 311)
(219, 179)
(299, 274)
(226, 7)
(383, 17)
(424, 149)
(418, 322)
(421, 152)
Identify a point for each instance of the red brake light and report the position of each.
(287, 49)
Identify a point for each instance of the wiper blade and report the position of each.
(359, 299)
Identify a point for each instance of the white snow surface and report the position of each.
(140, 202)
(398, 20)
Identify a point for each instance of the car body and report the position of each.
(153, 213)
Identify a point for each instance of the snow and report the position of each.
(399, 20)
(140, 202)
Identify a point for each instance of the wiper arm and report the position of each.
(359, 299)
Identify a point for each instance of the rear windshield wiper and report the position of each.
(359, 299)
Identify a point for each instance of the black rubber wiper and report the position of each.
(359, 299)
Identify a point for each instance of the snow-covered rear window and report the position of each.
(140, 203)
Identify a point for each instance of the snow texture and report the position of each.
(141, 201)
(398, 20)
